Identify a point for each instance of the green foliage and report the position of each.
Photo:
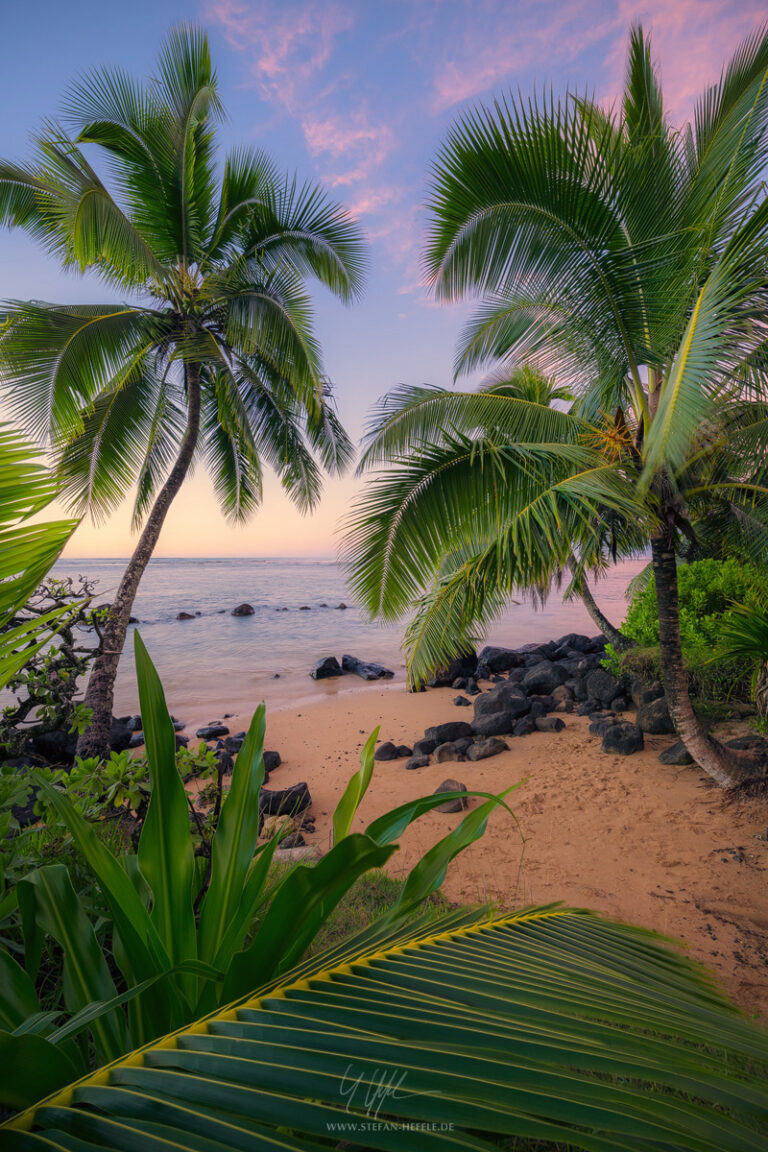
(180, 931)
(548, 1028)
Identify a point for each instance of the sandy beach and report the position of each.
(625, 836)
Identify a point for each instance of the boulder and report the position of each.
(416, 762)
(184, 616)
(461, 668)
(461, 702)
(271, 761)
(55, 747)
(524, 726)
(746, 743)
(459, 684)
(544, 677)
(588, 707)
(537, 710)
(455, 805)
(119, 735)
(482, 749)
(677, 754)
(549, 724)
(364, 669)
(212, 731)
(136, 740)
(181, 741)
(601, 724)
(495, 724)
(291, 842)
(447, 751)
(403, 751)
(643, 693)
(424, 747)
(503, 698)
(602, 686)
(620, 704)
(623, 738)
(327, 669)
(341, 607)
(386, 751)
(453, 730)
(561, 694)
(243, 610)
(473, 688)
(578, 685)
(133, 723)
(499, 659)
(233, 744)
(291, 800)
(654, 718)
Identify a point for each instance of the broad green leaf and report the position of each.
(32, 1068)
(18, 998)
(384, 829)
(355, 790)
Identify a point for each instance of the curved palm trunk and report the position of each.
(601, 622)
(99, 695)
(707, 753)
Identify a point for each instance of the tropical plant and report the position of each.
(630, 259)
(744, 636)
(217, 359)
(547, 1025)
(28, 549)
(182, 936)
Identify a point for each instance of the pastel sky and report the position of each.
(360, 95)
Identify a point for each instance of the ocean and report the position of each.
(218, 663)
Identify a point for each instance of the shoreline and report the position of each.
(624, 835)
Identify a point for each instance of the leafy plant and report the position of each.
(180, 923)
(548, 1024)
(743, 636)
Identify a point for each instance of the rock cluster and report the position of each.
(329, 667)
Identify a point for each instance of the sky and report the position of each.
(358, 94)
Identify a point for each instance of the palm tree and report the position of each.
(217, 359)
(632, 260)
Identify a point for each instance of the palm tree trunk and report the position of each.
(612, 634)
(708, 753)
(99, 695)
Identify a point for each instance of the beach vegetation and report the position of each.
(627, 258)
(211, 353)
(743, 638)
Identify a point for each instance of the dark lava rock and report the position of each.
(404, 751)
(455, 805)
(386, 751)
(544, 677)
(623, 738)
(119, 735)
(536, 710)
(292, 840)
(416, 762)
(496, 679)
(341, 607)
(654, 718)
(453, 730)
(549, 724)
(271, 761)
(243, 610)
(603, 686)
(561, 694)
(233, 744)
(461, 702)
(365, 670)
(285, 801)
(326, 669)
(227, 764)
(473, 688)
(483, 749)
(575, 640)
(132, 723)
(178, 725)
(588, 707)
(601, 724)
(677, 755)
(448, 751)
(746, 743)
(55, 747)
(184, 616)
(461, 668)
(643, 693)
(503, 698)
(459, 684)
(305, 608)
(136, 740)
(578, 685)
(212, 731)
(499, 659)
(524, 726)
(495, 724)
(181, 741)
(620, 704)
(424, 747)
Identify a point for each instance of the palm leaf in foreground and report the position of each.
(549, 1024)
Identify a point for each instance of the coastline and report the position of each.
(623, 835)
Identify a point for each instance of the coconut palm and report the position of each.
(215, 358)
(630, 259)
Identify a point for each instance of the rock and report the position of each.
(243, 610)
(290, 842)
(561, 694)
(451, 805)
(132, 723)
(136, 740)
(403, 751)
(119, 735)
(416, 762)
(233, 744)
(424, 747)
(495, 724)
(291, 800)
(524, 726)
(544, 677)
(654, 718)
(588, 707)
(620, 704)
(447, 751)
(184, 616)
(453, 730)
(549, 724)
(503, 698)
(602, 686)
(178, 725)
(272, 826)
(386, 751)
(305, 608)
(575, 640)
(578, 685)
(133, 620)
(181, 741)
(747, 742)
(461, 702)
(365, 670)
(537, 710)
(623, 738)
(300, 855)
(483, 749)
(341, 607)
(499, 659)
(473, 688)
(326, 669)
(643, 693)
(212, 731)
(271, 761)
(459, 684)
(460, 668)
(601, 724)
(677, 754)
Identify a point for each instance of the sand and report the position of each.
(626, 836)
